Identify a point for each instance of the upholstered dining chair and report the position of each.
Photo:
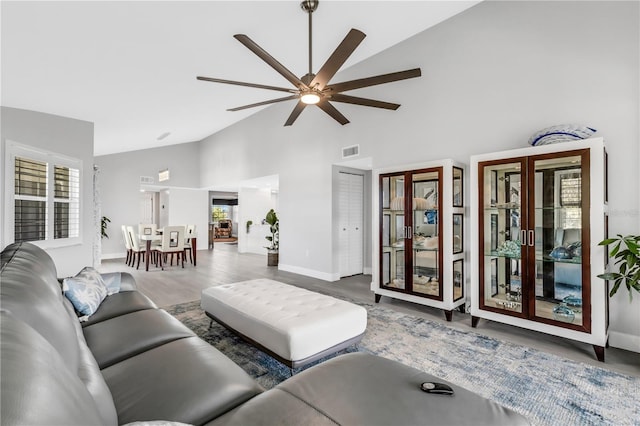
(127, 244)
(172, 243)
(136, 247)
(147, 228)
(190, 231)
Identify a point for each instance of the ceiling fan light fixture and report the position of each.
(314, 88)
(310, 98)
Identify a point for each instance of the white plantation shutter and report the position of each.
(44, 200)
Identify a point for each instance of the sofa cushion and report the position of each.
(120, 304)
(356, 388)
(37, 387)
(86, 291)
(186, 380)
(137, 332)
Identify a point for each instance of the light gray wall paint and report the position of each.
(492, 76)
(120, 186)
(70, 137)
(191, 207)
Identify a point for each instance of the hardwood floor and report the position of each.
(224, 265)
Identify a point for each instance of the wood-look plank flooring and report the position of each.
(224, 265)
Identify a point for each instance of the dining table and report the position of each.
(149, 238)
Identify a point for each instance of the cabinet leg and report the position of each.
(474, 321)
(599, 350)
(462, 309)
(448, 315)
(378, 297)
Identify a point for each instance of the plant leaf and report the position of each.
(615, 249)
(609, 276)
(615, 287)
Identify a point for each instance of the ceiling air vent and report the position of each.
(350, 151)
(146, 180)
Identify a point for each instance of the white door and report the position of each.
(350, 222)
(146, 207)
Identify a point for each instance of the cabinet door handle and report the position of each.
(532, 238)
(409, 232)
(523, 237)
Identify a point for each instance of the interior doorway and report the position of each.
(350, 223)
(149, 207)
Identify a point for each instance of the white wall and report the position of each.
(492, 76)
(120, 187)
(70, 137)
(191, 206)
(253, 205)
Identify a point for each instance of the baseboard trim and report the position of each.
(113, 256)
(624, 341)
(309, 272)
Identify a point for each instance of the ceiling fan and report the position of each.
(314, 89)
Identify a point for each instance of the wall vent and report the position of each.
(350, 151)
(146, 180)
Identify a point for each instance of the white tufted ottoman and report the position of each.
(293, 325)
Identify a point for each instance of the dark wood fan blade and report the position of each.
(272, 101)
(242, 83)
(295, 113)
(270, 60)
(338, 58)
(333, 112)
(339, 97)
(372, 81)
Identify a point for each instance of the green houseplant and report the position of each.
(274, 238)
(628, 261)
(104, 222)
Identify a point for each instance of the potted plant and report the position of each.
(274, 238)
(104, 222)
(628, 261)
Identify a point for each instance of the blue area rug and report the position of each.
(547, 389)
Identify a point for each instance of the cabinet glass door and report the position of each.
(411, 260)
(393, 231)
(503, 261)
(556, 238)
(425, 188)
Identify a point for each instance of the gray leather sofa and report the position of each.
(134, 362)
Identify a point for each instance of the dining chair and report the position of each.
(136, 247)
(127, 244)
(190, 231)
(172, 243)
(147, 228)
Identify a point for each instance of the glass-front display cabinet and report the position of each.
(539, 219)
(419, 241)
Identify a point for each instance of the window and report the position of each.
(220, 212)
(44, 199)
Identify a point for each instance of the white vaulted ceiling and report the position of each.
(131, 67)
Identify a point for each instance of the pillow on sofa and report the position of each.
(561, 133)
(112, 282)
(86, 291)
